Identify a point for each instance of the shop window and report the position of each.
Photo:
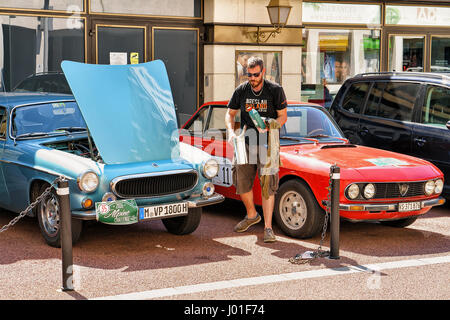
(34, 45)
(406, 53)
(177, 8)
(440, 54)
(56, 5)
(332, 56)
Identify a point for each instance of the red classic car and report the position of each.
(375, 185)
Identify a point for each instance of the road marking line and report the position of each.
(220, 285)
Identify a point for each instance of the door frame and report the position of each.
(105, 23)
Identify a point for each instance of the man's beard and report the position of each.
(255, 83)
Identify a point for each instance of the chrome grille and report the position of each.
(391, 190)
(154, 185)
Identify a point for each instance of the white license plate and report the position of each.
(164, 210)
(409, 206)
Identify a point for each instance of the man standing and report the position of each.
(269, 100)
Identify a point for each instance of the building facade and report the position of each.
(205, 43)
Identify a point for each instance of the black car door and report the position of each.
(386, 121)
(431, 137)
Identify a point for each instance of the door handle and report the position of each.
(420, 141)
(364, 131)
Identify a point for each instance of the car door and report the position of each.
(386, 122)
(431, 137)
(3, 189)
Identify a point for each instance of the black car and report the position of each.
(53, 82)
(400, 111)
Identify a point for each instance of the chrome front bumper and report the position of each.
(375, 207)
(192, 203)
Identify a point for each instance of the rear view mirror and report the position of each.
(448, 124)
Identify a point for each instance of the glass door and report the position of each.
(120, 44)
(178, 48)
(406, 52)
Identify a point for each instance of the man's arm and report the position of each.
(229, 122)
(282, 116)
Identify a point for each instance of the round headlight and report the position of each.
(429, 187)
(208, 189)
(369, 191)
(353, 191)
(439, 185)
(88, 181)
(210, 168)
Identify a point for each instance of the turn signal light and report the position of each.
(87, 203)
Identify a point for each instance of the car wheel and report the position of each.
(48, 212)
(401, 223)
(184, 225)
(296, 210)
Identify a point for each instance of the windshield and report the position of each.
(304, 122)
(47, 118)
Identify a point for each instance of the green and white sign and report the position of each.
(119, 212)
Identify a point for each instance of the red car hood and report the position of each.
(360, 163)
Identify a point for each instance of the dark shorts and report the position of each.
(244, 176)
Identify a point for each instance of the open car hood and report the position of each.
(128, 109)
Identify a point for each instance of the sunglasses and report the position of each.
(256, 74)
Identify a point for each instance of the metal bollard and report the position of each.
(334, 219)
(65, 235)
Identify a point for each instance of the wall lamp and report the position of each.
(278, 13)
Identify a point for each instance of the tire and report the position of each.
(48, 213)
(185, 224)
(297, 212)
(400, 223)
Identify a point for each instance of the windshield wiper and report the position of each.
(318, 136)
(71, 129)
(31, 134)
(291, 139)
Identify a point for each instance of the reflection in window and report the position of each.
(178, 8)
(406, 53)
(374, 99)
(436, 108)
(38, 44)
(355, 97)
(440, 54)
(397, 101)
(58, 5)
(332, 56)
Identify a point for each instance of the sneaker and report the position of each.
(269, 236)
(246, 223)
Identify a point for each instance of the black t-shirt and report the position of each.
(267, 101)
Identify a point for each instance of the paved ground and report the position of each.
(143, 261)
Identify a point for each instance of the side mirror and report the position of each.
(448, 125)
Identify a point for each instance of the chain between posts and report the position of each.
(309, 256)
(32, 205)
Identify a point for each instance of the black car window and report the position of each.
(374, 99)
(354, 98)
(397, 101)
(436, 106)
(2, 123)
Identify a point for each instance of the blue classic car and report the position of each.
(115, 141)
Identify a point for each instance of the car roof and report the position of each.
(12, 99)
(411, 76)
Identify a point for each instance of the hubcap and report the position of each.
(49, 211)
(293, 210)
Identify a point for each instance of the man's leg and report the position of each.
(267, 206)
(247, 199)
